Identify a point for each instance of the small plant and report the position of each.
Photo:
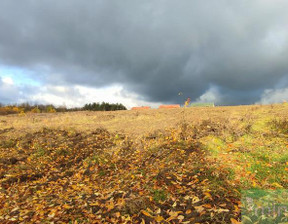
(40, 151)
(280, 125)
(22, 113)
(183, 122)
(62, 152)
(102, 173)
(8, 143)
(96, 159)
(159, 195)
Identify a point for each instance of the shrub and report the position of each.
(35, 110)
(50, 109)
(280, 125)
(8, 110)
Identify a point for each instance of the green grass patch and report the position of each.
(159, 195)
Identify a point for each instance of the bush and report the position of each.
(280, 125)
(35, 110)
(50, 109)
(8, 110)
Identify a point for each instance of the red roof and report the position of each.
(170, 106)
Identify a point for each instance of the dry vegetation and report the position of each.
(150, 166)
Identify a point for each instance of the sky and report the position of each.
(143, 52)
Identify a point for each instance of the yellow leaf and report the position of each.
(95, 204)
(67, 206)
(199, 209)
(159, 218)
(120, 202)
(236, 208)
(174, 214)
(75, 187)
(147, 214)
(175, 204)
(149, 210)
(158, 211)
(208, 195)
(195, 200)
(180, 217)
(277, 185)
(222, 210)
(234, 221)
(51, 215)
(222, 205)
(188, 211)
(207, 206)
(110, 206)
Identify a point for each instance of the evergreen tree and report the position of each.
(104, 106)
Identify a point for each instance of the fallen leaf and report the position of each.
(188, 211)
(180, 217)
(234, 221)
(147, 214)
(199, 209)
(159, 218)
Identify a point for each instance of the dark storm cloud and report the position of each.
(155, 48)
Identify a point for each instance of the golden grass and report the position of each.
(138, 122)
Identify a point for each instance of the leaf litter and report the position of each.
(57, 176)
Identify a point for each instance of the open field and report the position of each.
(150, 166)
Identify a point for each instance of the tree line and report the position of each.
(104, 106)
(50, 108)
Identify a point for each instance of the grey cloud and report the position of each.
(8, 93)
(155, 48)
(274, 95)
(58, 95)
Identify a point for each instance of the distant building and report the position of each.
(169, 106)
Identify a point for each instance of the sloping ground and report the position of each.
(60, 176)
(157, 166)
(137, 122)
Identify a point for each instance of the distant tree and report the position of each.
(50, 109)
(61, 109)
(104, 106)
(26, 106)
(43, 108)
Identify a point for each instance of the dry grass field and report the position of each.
(148, 166)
